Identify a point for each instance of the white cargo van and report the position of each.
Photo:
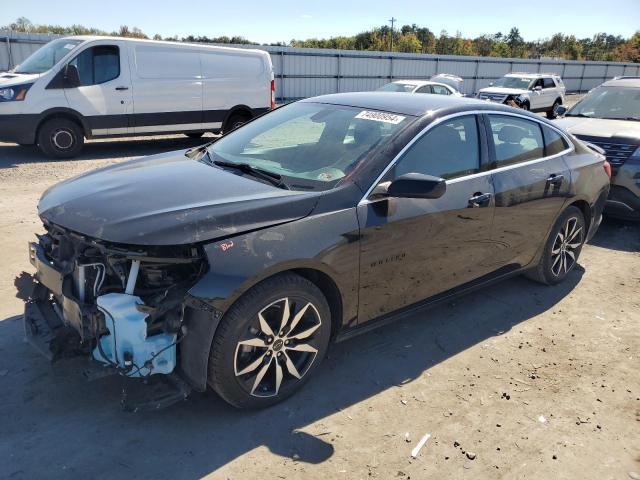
(85, 87)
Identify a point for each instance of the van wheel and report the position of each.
(194, 134)
(235, 121)
(270, 342)
(60, 138)
(553, 113)
(562, 248)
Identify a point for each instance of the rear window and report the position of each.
(397, 87)
(515, 140)
(554, 143)
(548, 83)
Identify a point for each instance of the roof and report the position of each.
(623, 82)
(531, 75)
(407, 103)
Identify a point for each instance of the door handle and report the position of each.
(555, 179)
(122, 88)
(479, 200)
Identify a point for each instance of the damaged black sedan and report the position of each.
(233, 265)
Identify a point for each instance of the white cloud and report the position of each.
(306, 15)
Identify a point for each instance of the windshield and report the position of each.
(311, 145)
(609, 102)
(46, 57)
(397, 87)
(513, 82)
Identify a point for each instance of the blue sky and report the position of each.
(271, 21)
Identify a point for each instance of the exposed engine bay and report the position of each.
(122, 306)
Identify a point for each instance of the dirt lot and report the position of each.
(529, 381)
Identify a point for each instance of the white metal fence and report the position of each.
(306, 72)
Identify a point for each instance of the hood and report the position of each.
(503, 91)
(9, 79)
(601, 128)
(169, 199)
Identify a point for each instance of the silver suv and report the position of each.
(609, 117)
(538, 92)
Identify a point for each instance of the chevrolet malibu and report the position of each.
(235, 264)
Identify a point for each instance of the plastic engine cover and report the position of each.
(128, 335)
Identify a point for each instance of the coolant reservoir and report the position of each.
(128, 338)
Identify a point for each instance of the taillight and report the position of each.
(607, 169)
(273, 94)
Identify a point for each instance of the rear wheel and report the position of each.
(60, 138)
(553, 113)
(270, 342)
(562, 249)
(235, 121)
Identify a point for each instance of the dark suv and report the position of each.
(234, 264)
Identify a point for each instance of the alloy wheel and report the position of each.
(565, 247)
(279, 347)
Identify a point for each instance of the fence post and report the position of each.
(9, 56)
(584, 67)
(282, 76)
(606, 73)
(475, 76)
(390, 68)
(338, 56)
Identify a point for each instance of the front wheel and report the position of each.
(236, 120)
(562, 248)
(270, 342)
(60, 138)
(553, 113)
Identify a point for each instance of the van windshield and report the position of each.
(46, 57)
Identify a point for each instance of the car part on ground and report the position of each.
(233, 264)
(609, 118)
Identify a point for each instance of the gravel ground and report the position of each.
(515, 381)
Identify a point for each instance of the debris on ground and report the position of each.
(416, 451)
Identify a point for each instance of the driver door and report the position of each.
(537, 99)
(411, 249)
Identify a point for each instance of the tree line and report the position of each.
(412, 39)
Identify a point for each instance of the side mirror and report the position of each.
(417, 185)
(71, 77)
(491, 84)
(537, 88)
(561, 110)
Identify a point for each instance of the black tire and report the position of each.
(229, 358)
(550, 269)
(551, 114)
(60, 138)
(525, 106)
(194, 134)
(235, 121)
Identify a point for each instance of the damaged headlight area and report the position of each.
(121, 305)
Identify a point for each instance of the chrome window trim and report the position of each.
(365, 200)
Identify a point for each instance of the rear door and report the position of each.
(412, 249)
(531, 180)
(104, 95)
(549, 92)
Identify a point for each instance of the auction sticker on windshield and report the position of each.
(380, 117)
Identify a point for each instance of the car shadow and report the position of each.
(53, 421)
(12, 155)
(617, 234)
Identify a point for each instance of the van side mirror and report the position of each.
(491, 84)
(561, 110)
(417, 185)
(71, 77)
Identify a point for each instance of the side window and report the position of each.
(553, 142)
(538, 83)
(548, 83)
(449, 150)
(425, 89)
(440, 90)
(515, 140)
(98, 64)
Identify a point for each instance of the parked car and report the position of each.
(420, 86)
(86, 87)
(236, 263)
(609, 117)
(537, 92)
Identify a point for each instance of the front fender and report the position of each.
(324, 242)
